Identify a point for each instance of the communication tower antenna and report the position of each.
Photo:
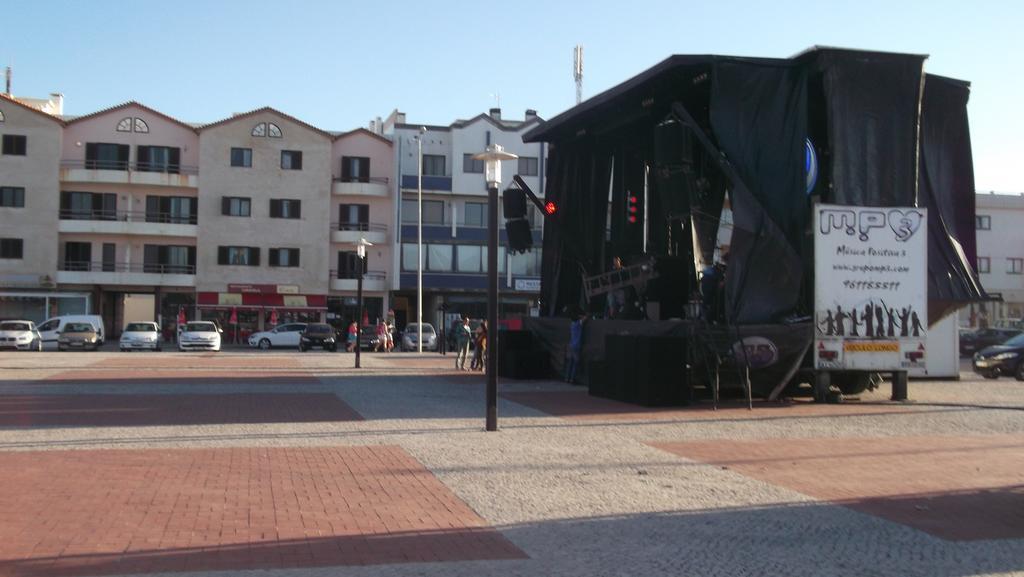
(577, 71)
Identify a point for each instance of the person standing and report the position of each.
(382, 338)
(480, 341)
(572, 358)
(463, 335)
(353, 337)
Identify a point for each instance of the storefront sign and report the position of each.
(870, 287)
(528, 284)
(287, 289)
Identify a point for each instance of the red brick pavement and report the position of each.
(580, 405)
(154, 410)
(182, 376)
(955, 488)
(71, 513)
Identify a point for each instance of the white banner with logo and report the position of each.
(870, 287)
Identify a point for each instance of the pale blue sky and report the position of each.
(337, 64)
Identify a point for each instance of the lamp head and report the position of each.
(492, 157)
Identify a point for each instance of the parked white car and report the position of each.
(410, 337)
(140, 336)
(20, 335)
(286, 335)
(50, 329)
(199, 335)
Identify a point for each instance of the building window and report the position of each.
(469, 258)
(528, 166)
(408, 256)
(12, 196)
(983, 222)
(984, 265)
(260, 129)
(109, 255)
(348, 264)
(1015, 266)
(88, 205)
(433, 212)
(129, 124)
(285, 208)
(172, 209)
(291, 160)
(11, 248)
(526, 264)
(471, 165)
(273, 130)
(158, 159)
(106, 156)
(169, 259)
(15, 144)
(475, 214)
(288, 257)
(238, 255)
(355, 169)
(77, 256)
(2, 116)
(241, 157)
(433, 165)
(235, 206)
(439, 257)
(353, 217)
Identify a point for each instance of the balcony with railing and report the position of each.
(348, 280)
(126, 273)
(124, 172)
(361, 186)
(430, 183)
(138, 222)
(351, 232)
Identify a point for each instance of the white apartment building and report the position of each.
(455, 215)
(106, 213)
(999, 225)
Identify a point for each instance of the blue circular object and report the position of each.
(810, 166)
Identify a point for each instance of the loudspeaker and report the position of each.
(674, 144)
(597, 379)
(646, 370)
(672, 288)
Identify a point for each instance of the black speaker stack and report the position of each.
(519, 358)
(644, 370)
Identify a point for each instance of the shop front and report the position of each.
(39, 306)
(241, 314)
(342, 310)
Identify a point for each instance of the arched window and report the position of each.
(274, 131)
(1, 115)
(260, 129)
(129, 124)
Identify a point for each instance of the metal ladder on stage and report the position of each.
(630, 276)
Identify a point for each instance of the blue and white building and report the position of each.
(455, 216)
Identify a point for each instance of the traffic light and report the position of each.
(517, 228)
(550, 208)
(632, 208)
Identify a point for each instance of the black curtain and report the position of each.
(872, 104)
(947, 191)
(573, 246)
(759, 118)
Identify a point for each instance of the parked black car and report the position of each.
(1005, 359)
(971, 343)
(318, 335)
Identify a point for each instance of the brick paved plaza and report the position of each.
(280, 463)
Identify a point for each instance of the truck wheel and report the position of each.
(852, 382)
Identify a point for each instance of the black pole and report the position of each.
(359, 299)
(492, 308)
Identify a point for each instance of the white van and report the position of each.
(50, 329)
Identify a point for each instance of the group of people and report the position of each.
(464, 335)
(385, 337)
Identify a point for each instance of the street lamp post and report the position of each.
(419, 244)
(492, 158)
(361, 252)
